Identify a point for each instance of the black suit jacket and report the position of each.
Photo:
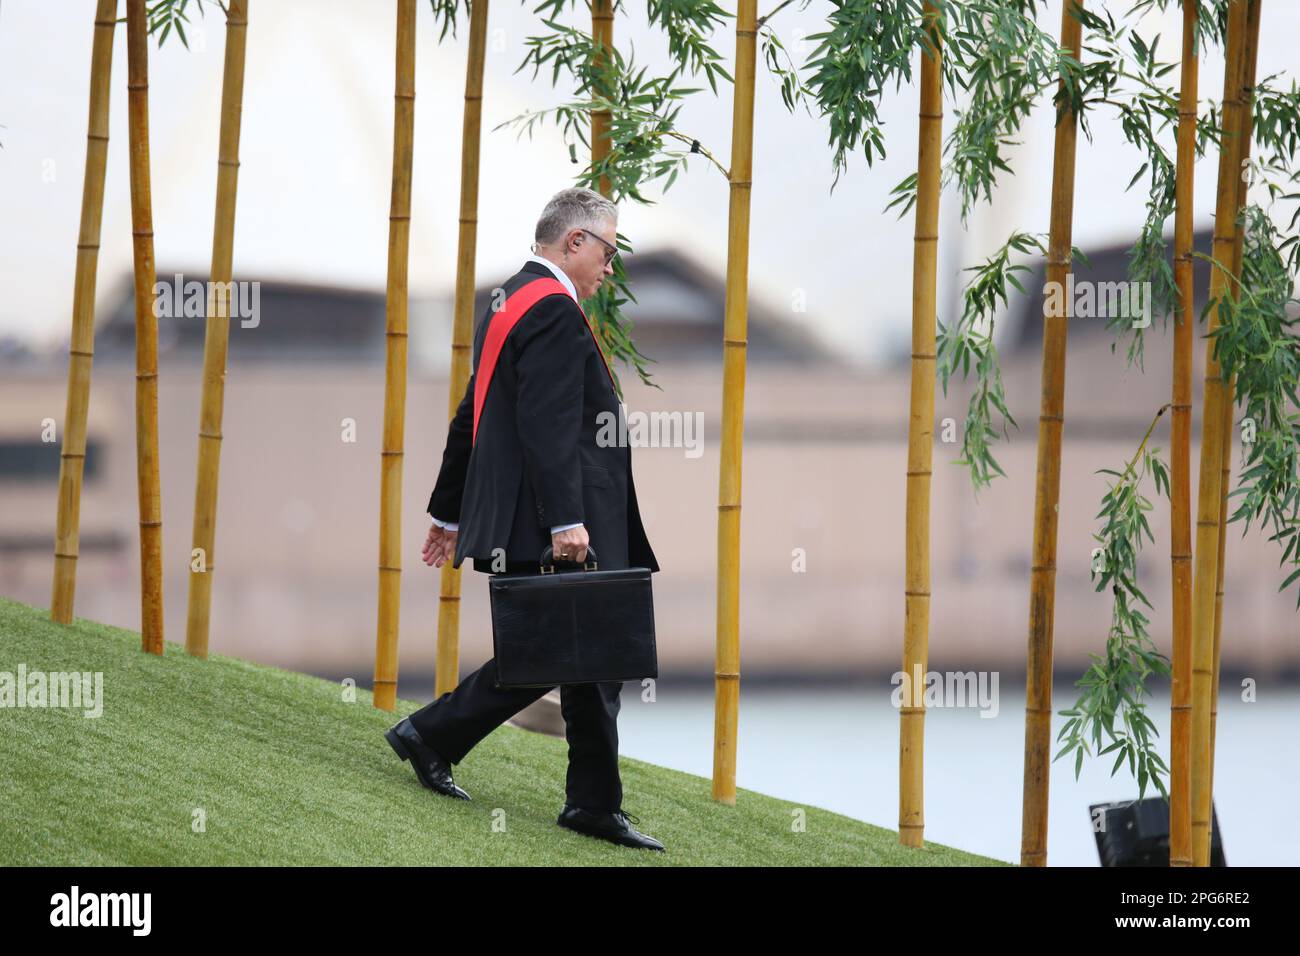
(537, 462)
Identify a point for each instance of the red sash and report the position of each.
(500, 324)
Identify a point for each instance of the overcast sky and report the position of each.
(316, 161)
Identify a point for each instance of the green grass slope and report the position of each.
(285, 771)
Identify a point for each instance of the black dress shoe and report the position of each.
(434, 772)
(612, 825)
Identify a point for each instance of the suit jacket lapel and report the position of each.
(536, 268)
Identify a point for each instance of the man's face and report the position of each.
(586, 264)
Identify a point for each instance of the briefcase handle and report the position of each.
(549, 568)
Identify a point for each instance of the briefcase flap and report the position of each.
(573, 627)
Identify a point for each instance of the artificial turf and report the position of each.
(226, 762)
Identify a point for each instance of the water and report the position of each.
(838, 749)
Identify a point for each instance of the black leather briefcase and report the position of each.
(572, 627)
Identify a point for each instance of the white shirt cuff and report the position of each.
(449, 525)
(556, 529)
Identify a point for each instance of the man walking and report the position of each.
(523, 469)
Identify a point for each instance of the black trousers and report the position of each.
(455, 722)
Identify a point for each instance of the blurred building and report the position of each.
(826, 391)
(823, 488)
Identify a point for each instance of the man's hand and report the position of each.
(570, 545)
(440, 546)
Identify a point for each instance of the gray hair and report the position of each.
(573, 208)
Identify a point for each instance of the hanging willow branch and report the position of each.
(1120, 72)
(642, 126)
(167, 15)
(1211, 16)
(969, 339)
(868, 44)
(970, 342)
(1115, 685)
(687, 24)
(1257, 342)
(1002, 62)
(1147, 109)
(645, 143)
(779, 62)
(163, 16)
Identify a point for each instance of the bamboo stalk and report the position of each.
(1248, 65)
(81, 346)
(727, 667)
(399, 240)
(1047, 485)
(146, 332)
(1180, 542)
(216, 336)
(920, 441)
(448, 648)
(1209, 495)
(602, 34)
